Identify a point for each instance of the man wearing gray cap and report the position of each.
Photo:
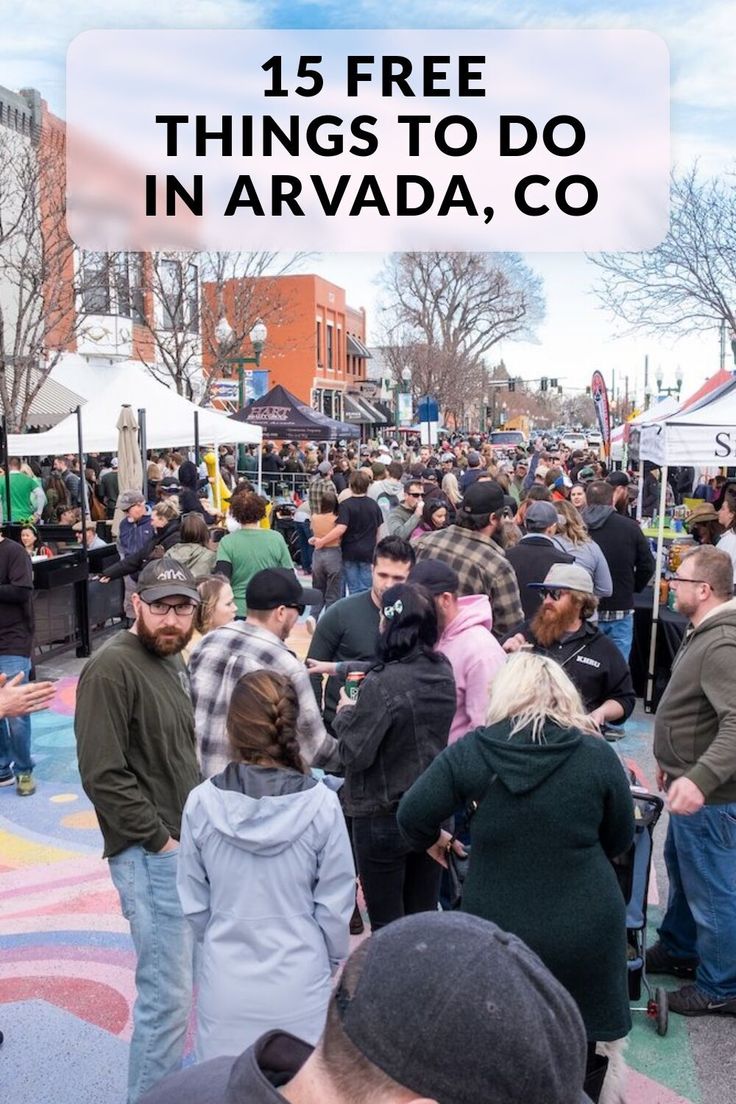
(321, 484)
(561, 629)
(436, 1007)
(134, 726)
(535, 553)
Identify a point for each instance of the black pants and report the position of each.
(396, 881)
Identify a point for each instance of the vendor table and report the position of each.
(670, 632)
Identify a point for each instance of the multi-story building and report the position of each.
(316, 341)
(57, 298)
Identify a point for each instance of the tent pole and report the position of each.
(144, 450)
(81, 592)
(648, 700)
(260, 467)
(640, 495)
(196, 437)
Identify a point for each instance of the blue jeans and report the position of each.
(15, 732)
(621, 633)
(306, 550)
(700, 922)
(358, 576)
(146, 883)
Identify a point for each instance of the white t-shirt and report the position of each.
(727, 543)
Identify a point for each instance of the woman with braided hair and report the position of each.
(266, 879)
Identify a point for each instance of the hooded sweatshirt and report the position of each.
(550, 818)
(627, 554)
(267, 881)
(199, 560)
(695, 724)
(475, 657)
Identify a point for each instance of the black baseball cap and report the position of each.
(482, 497)
(523, 1037)
(166, 578)
(437, 576)
(278, 586)
(618, 479)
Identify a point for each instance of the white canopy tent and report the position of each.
(169, 417)
(702, 434)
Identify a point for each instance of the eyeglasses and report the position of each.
(161, 609)
(553, 593)
(681, 579)
(415, 494)
(300, 609)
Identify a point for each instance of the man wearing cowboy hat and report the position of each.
(562, 630)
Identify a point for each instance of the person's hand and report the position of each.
(538, 444)
(18, 698)
(103, 579)
(515, 643)
(318, 542)
(598, 715)
(312, 541)
(344, 699)
(170, 845)
(321, 667)
(661, 779)
(438, 850)
(684, 797)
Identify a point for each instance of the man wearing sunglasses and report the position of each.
(404, 518)
(137, 759)
(562, 630)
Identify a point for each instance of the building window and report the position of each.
(330, 348)
(327, 405)
(320, 362)
(179, 295)
(95, 283)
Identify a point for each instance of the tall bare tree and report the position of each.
(688, 282)
(442, 312)
(38, 319)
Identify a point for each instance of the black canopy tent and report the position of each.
(282, 415)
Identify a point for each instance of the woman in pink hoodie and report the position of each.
(475, 655)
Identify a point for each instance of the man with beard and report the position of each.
(134, 726)
(561, 630)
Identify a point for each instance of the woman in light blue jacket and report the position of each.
(266, 879)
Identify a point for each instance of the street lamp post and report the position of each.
(258, 335)
(659, 380)
(405, 389)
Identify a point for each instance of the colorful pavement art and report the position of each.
(66, 959)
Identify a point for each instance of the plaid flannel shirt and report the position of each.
(317, 488)
(482, 568)
(218, 662)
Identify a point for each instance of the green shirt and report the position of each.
(21, 488)
(134, 725)
(249, 551)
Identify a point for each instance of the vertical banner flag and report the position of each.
(602, 410)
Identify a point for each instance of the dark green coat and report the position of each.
(541, 842)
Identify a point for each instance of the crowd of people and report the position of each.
(470, 620)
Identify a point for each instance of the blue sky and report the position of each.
(577, 337)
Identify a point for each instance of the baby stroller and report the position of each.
(633, 870)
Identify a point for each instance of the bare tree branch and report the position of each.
(688, 282)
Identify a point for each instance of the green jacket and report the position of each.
(695, 725)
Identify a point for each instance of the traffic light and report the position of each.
(553, 383)
(512, 385)
(543, 383)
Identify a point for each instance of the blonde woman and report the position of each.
(166, 533)
(554, 807)
(572, 537)
(216, 608)
(451, 489)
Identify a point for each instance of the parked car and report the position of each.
(575, 441)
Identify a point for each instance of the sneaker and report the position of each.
(7, 780)
(660, 961)
(24, 785)
(691, 1001)
(357, 927)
